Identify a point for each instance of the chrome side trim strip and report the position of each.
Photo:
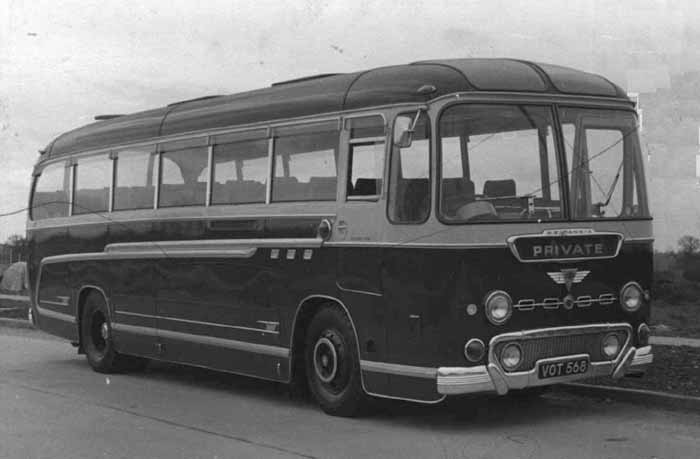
(135, 329)
(209, 248)
(425, 245)
(362, 292)
(54, 303)
(55, 315)
(211, 324)
(212, 244)
(197, 322)
(245, 346)
(398, 369)
(170, 214)
(135, 314)
(265, 349)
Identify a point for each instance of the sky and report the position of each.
(63, 62)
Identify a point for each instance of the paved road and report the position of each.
(53, 405)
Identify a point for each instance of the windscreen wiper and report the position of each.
(610, 192)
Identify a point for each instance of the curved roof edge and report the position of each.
(335, 92)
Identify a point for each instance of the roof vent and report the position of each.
(426, 90)
(106, 117)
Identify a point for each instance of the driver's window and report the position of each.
(409, 181)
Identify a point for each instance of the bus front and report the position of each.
(545, 201)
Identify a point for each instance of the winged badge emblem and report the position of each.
(568, 277)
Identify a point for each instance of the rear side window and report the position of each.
(409, 193)
(184, 173)
(51, 192)
(134, 179)
(240, 172)
(93, 178)
(305, 165)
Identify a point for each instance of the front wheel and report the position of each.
(333, 364)
(97, 342)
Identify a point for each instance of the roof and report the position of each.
(332, 93)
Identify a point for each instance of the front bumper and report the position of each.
(492, 378)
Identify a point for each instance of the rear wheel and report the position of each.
(97, 342)
(332, 363)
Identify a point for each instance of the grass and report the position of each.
(676, 369)
(675, 319)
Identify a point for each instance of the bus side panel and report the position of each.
(49, 285)
(133, 305)
(216, 313)
(55, 305)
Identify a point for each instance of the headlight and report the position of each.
(498, 307)
(610, 345)
(511, 356)
(474, 350)
(631, 297)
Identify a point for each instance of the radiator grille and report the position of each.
(535, 349)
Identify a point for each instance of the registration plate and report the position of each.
(563, 368)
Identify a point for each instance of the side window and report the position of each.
(240, 172)
(51, 190)
(409, 193)
(366, 157)
(305, 165)
(134, 179)
(93, 177)
(183, 175)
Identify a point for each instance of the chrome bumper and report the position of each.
(491, 378)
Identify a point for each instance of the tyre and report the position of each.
(332, 363)
(97, 342)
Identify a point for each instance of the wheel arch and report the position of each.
(81, 296)
(307, 308)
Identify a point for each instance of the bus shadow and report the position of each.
(454, 414)
(485, 412)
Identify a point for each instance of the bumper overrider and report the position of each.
(554, 345)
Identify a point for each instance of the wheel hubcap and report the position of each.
(99, 331)
(325, 360)
(104, 331)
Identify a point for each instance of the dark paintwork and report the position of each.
(239, 292)
(380, 86)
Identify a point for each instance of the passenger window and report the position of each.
(134, 179)
(93, 178)
(51, 192)
(305, 166)
(366, 157)
(240, 172)
(183, 177)
(366, 169)
(409, 195)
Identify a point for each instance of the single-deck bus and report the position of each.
(411, 232)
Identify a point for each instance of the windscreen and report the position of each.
(498, 163)
(605, 167)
